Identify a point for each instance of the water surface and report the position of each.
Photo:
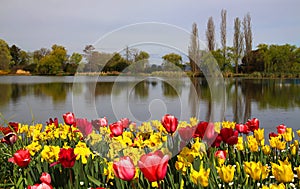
(36, 98)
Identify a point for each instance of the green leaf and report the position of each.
(93, 180)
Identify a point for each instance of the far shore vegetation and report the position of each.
(238, 60)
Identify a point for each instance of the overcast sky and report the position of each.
(32, 25)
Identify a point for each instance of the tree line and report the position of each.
(239, 58)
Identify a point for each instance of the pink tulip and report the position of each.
(45, 178)
(84, 126)
(69, 118)
(221, 154)
(124, 168)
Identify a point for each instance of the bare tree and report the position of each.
(210, 34)
(223, 34)
(194, 50)
(237, 43)
(248, 37)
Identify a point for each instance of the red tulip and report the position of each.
(221, 154)
(13, 127)
(51, 121)
(116, 129)
(229, 136)
(281, 129)
(101, 122)
(217, 141)
(10, 138)
(84, 126)
(125, 122)
(124, 168)
(206, 131)
(20, 158)
(186, 133)
(45, 178)
(69, 118)
(67, 157)
(154, 165)
(253, 124)
(200, 130)
(170, 123)
(272, 134)
(242, 128)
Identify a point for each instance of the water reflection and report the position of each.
(245, 97)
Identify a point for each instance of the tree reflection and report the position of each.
(172, 88)
(5, 94)
(58, 91)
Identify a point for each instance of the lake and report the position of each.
(37, 98)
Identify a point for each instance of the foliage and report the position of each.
(5, 56)
(117, 155)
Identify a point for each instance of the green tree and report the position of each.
(53, 63)
(75, 58)
(5, 56)
(173, 58)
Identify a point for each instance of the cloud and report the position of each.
(35, 24)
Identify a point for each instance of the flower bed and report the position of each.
(167, 154)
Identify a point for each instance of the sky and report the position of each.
(74, 24)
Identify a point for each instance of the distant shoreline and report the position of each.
(255, 75)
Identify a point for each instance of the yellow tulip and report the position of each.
(298, 171)
(298, 132)
(260, 136)
(252, 143)
(274, 186)
(266, 150)
(240, 145)
(256, 170)
(226, 173)
(288, 135)
(282, 172)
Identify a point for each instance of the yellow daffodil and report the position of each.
(34, 147)
(298, 133)
(133, 153)
(23, 129)
(226, 173)
(283, 172)
(108, 171)
(217, 127)
(50, 153)
(182, 164)
(200, 177)
(228, 124)
(193, 121)
(256, 170)
(82, 151)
